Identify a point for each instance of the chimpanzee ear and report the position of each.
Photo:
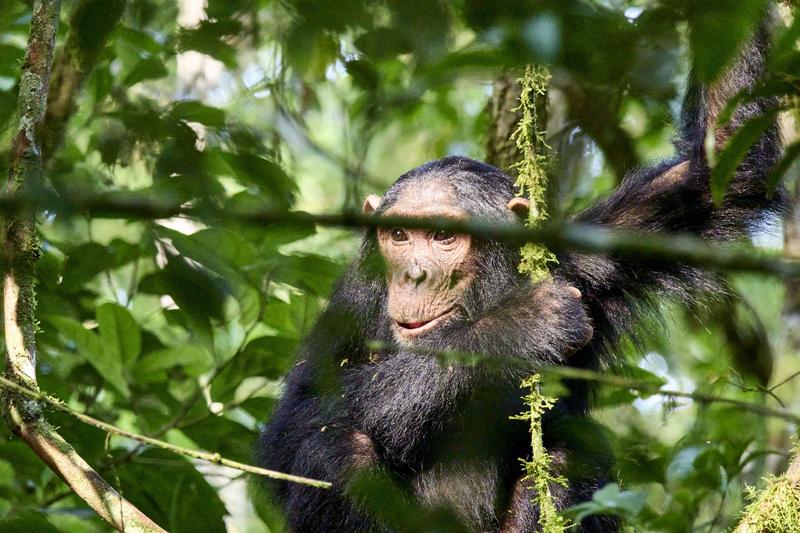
(520, 207)
(371, 204)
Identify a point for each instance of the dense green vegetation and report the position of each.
(181, 328)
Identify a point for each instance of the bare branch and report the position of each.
(195, 454)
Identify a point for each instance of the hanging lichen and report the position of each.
(537, 469)
(532, 168)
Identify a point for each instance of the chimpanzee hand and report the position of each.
(560, 308)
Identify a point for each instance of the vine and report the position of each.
(537, 469)
(532, 168)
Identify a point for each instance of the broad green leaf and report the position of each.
(119, 333)
(169, 489)
(208, 38)
(84, 262)
(138, 39)
(154, 366)
(268, 357)
(610, 500)
(149, 68)
(197, 292)
(224, 436)
(27, 522)
(695, 465)
(12, 58)
(790, 155)
(735, 151)
(89, 346)
(6, 474)
(254, 170)
(194, 111)
(717, 30)
(310, 272)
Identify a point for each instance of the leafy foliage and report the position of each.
(183, 328)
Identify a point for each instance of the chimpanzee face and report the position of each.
(427, 272)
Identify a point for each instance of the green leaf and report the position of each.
(6, 474)
(207, 38)
(194, 111)
(169, 489)
(735, 151)
(790, 155)
(223, 436)
(610, 500)
(695, 466)
(84, 262)
(149, 68)
(12, 59)
(310, 272)
(26, 522)
(137, 39)
(268, 357)
(119, 333)
(254, 170)
(718, 28)
(154, 366)
(89, 346)
(196, 291)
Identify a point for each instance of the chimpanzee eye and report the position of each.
(399, 235)
(443, 236)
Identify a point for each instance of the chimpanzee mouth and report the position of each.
(415, 328)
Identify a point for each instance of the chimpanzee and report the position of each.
(443, 430)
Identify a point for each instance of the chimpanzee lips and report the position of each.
(423, 325)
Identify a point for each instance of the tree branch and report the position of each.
(90, 24)
(557, 236)
(21, 250)
(39, 396)
(504, 116)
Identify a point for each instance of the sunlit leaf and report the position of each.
(88, 346)
(119, 333)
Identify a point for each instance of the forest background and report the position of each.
(174, 284)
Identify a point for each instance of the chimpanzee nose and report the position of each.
(416, 274)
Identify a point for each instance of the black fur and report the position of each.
(443, 432)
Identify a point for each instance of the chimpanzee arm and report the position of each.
(531, 326)
(675, 197)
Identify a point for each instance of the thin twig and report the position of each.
(195, 454)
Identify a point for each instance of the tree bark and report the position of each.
(504, 117)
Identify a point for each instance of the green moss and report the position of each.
(532, 169)
(775, 508)
(538, 468)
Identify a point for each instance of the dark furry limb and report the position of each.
(675, 197)
(443, 431)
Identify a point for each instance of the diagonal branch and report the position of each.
(20, 252)
(214, 458)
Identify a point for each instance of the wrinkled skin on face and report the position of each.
(428, 272)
